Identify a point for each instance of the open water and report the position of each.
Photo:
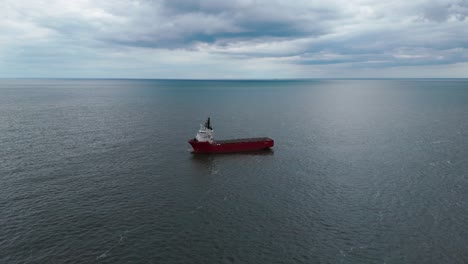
(363, 171)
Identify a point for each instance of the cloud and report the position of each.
(243, 38)
(441, 11)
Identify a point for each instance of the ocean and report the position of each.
(363, 171)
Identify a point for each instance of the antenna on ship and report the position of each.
(207, 123)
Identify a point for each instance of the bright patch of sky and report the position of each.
(212, 39)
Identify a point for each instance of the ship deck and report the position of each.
(239, 140)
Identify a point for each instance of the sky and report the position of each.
(243, 39)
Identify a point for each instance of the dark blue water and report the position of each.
(363, 171)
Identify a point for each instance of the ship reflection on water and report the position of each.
(208, 156)
(210, 161)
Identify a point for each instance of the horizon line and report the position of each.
(233, 79)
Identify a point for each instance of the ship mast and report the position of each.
(207, 124)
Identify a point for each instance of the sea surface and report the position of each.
(363, 171)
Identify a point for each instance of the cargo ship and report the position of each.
(204, 142)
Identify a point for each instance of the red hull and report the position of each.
(235, 145)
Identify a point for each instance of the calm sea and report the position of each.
(363, 171)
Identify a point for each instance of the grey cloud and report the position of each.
(182, 23)
(442, 11)
(204, 6)
(337, 32)
(438, 12)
